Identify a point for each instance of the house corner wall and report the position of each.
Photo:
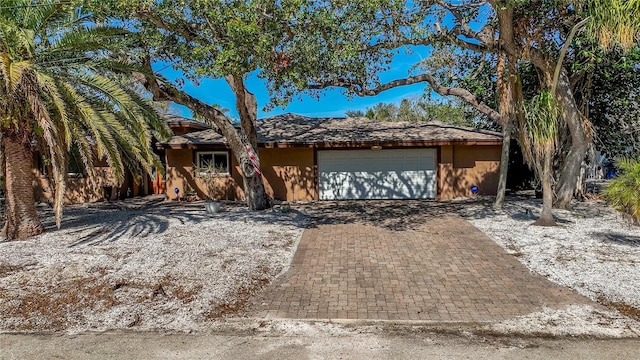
(460, 167)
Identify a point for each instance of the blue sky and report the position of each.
(332, 102)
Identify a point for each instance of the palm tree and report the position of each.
(612, 23)
(539, 141)
(60, 87)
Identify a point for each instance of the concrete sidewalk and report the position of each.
(128, 346)
(445, 271)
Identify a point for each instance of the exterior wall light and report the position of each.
(376, 147)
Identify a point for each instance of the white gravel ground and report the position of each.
(135, 266)
(575, 320)
(170, 266)
(593, 251)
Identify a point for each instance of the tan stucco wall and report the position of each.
(180, 175)
(78, 189)
(461, 167)
(288, 174)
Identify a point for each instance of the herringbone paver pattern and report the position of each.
(447, 271)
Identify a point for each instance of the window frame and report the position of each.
(213, 154)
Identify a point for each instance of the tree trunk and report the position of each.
(504, 163)
(505, 95)
(254, 192)
(237, 140)
(570, 114)
(22, 218)
(570, 172)
(247, 107)
(546, 216)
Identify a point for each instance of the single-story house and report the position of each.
(80, 188)
(305, 159)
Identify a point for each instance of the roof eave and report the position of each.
(346, 144)
(368, 143)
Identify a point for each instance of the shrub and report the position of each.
(624, 190)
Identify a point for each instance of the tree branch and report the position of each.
(247, 108)
(461, 27)
(464, 94)
(165, 91)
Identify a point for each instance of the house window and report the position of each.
(76, 165)
(43, 164)
(210, 160)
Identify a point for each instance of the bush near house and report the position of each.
(624, 190)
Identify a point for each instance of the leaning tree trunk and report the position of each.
(546, 216)
(247, 107)
(237, 140)
(22, 218)
(572, 164)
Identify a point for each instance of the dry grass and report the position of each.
(53, 308)
(8, 269)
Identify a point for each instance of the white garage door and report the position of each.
(377, 174)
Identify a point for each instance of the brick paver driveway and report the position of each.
(352, 266)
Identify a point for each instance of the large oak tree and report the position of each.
(214, 39)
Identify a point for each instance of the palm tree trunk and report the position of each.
(22, 218)
(546, 217)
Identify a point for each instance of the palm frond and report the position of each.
(15, 71)
(51, 87)
(85, 149)
(539, 130)
(614, 22)
(82, 40)
(50, 134)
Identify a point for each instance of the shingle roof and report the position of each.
(175, 120)
(291, 129)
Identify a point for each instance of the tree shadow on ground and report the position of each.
(617, 238)
(394, 214)
(99, 223)
(527, 208)
(239, 212)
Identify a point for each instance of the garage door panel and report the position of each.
(377, 174)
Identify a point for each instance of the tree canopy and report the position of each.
(461, 36)
(306, 46)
